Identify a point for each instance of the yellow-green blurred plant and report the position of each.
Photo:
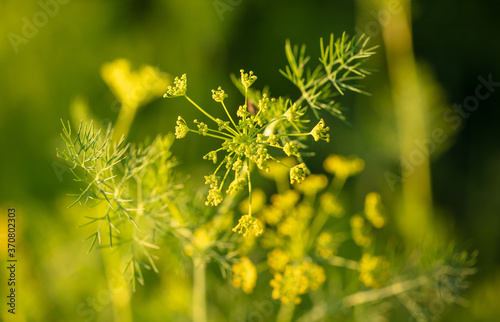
(132, 89)
(307, 236)
(303, 246)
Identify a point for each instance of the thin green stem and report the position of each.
(220, 165)
(199, 305)
(296, 134)
(222, 133)
(120, 301)
(381, 293)
(271, 123)
(249, 189)
(285, 314)
(199, 108)
(278, 161)
(229, 115)
(227, 171)
(208, 134)
(124, 122)
(343, 262)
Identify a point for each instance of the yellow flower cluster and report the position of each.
(298, 173)
(248, 225)
(296, 280)
(374, 270)
(343, 167)
(373, 209)
(181, 128)
(179, 88)
(280, 204)
(290, 226)
(244, 275)
(360, 231)
(330, 205)
(277, 260)
(201, 241)
(326, 245)
(133, 89)
(320, 131)
(247, 79)
(312, 184)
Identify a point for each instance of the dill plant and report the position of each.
(140, 202)
(278, 123)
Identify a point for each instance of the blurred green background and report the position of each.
(46, 67)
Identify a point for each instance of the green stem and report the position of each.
(320, 311)
(199, 305)
(208, 134)
(227, 171)
(229, 136)
(124, 122)
(246, 105)
(229, 115)
(411, 117)
(120, 300)
(382, 293)
(343, 262)
(199, 108)
(296, 134)
(249, 189)
(285, 314)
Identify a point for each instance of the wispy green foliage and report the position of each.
(94, 162)
(131, 186)
(339, 70)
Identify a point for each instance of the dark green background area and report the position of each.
(456, 42)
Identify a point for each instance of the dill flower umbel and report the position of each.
(288, 287)
(251, 139)
(297, 280)
(343, 167)
(244, 275)
(298, 173)
(326, 245)
(280, 204)
(248, 225)
(320, 131)
(312, 184)
(133, 88)
(360, 231)
(179, 88)
(331, 205)
(278, 259)
(374, 270)
(373, 209)
(181, 129)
